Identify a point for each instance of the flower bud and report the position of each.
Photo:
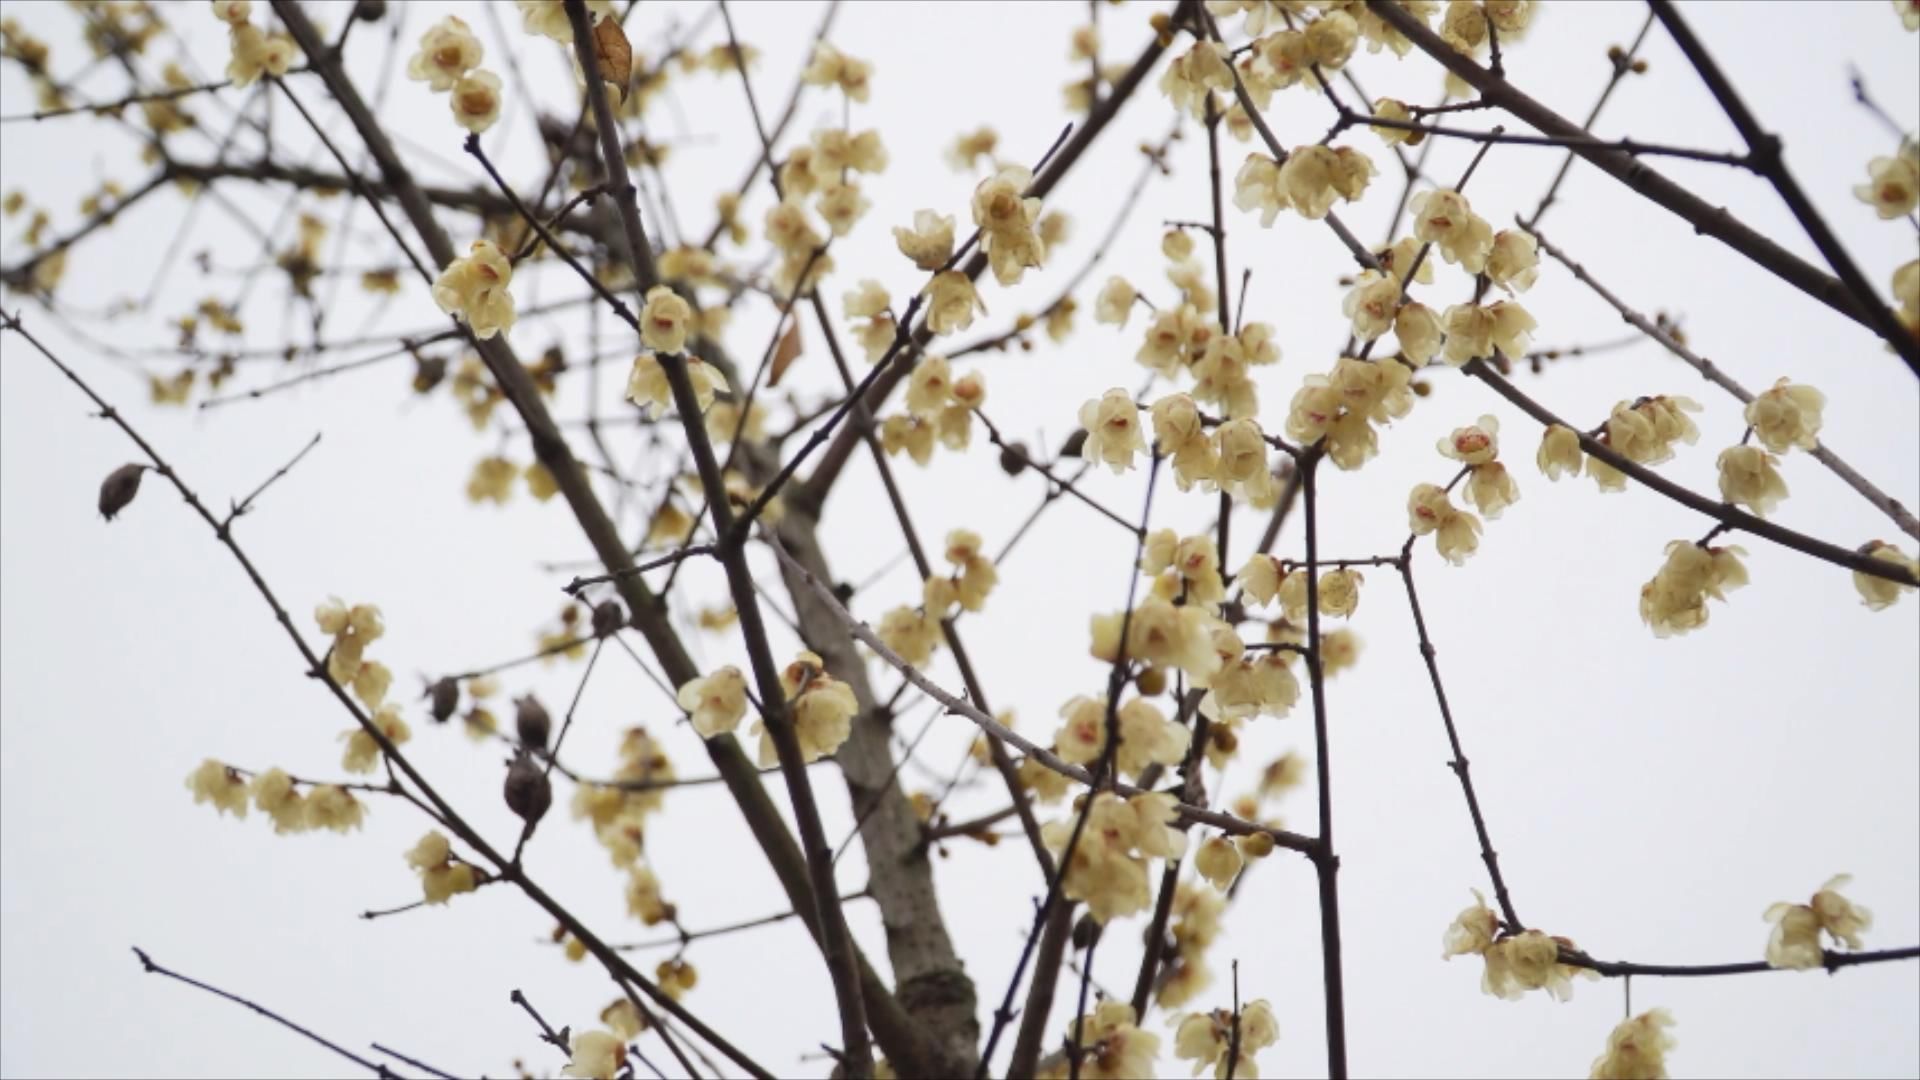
(1255, 845)
(528, 792)
(1152, 682)
(446, 698)
(119, 488)
(531, 721)
(608, 618)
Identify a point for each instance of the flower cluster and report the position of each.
(1456, 533)
(1207, 1039)
(442, 875)
(1342, 406)
(618, 810)
(1112, 1046)
(274, 793)
(1147, 737)
(1797, 927)
(1675, 601)
(1108, 870)
(820, 708)
(253, 53)
(1307, 182)
(649, 387)
(1893, 187)
(473, 288)
(1877, 592)
(1490, 486)
(1006, 215)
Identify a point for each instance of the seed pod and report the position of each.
(446, 698)
(370, 10)
(1013, 458)
(528, 791)
(530, 719)
(608, 618)
(1071, 448)
(119, 488)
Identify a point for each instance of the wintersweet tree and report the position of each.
(1001, 695)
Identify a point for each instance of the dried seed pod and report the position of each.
(531, 721)
(528, 792)
(1013, 458)
(608, 618)
(446, 698)
(119, 488)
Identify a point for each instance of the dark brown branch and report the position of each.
(1625, 146)
(1459, 763)
(374, 1067)
(1832, 960)
(1325, 864)
(1629, 170)
(246, 504)
(1765, 149)
(835, 941)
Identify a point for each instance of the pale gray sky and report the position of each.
(1648, 798)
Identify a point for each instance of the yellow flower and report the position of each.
(476, 100)
(1786, 416)
(1475, 444)
(1637, 1049)
(1472, 931)
(1340, 592)
(1113, 1048)
(255, 54)
(868, 300)
(951, 302)
(1115, 303)
(648, 386)
(1797, 927)
(1257, 187)
(1394, 109)
(1513, 327)
(1514, 263)
(909, 433)
(1490, 489)
(929, 243)
(830, 67)
(1331, 38)
(665, 320)
(1909, 13)
(1457, 533)
(1218, 861)
(1313, 176)
(1876, 592)
(1208, 1039)
(363, 750)
(1112, 423)
(1644, 431)
(644, 901)
(1241, 451)
(1006, 217)
(1419, 331)
(1194, 74)
(274, 795)
(474, 288)
(1675, 601)
(717, 702)
(448, 50)
(910, 632)
(1893, 187)
(227, 11)
(596, 1055)
(1372, 304)
(492, 480)
(1445, 218)
(329, 806)
(842, 205)
(1748, 477)
(1559, 453)
(220, 785)
(1526, 961)
(969, 148)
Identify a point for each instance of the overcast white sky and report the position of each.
(1648, 798)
